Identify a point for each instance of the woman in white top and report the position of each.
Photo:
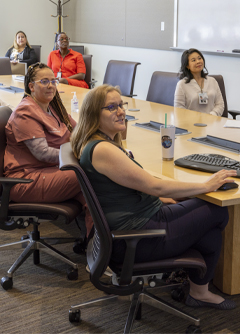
(196, 90)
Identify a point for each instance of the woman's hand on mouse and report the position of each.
(218, 179)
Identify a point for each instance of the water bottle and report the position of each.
(74, 103)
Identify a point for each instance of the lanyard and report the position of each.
(61, 62)
(200, 86)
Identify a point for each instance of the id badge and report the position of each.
(202, 98)
(59, 75)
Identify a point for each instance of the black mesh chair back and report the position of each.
(162, 88)
(101, 245)
(122, 74)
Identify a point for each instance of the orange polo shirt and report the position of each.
(72, 63)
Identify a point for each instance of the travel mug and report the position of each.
(167, 140)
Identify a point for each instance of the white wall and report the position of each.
(31, 16)
(34, 18)
(158, 60)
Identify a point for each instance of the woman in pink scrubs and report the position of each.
(35, 131)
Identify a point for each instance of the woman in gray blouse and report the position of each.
(196, 90)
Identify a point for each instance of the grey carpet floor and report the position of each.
(41, 297)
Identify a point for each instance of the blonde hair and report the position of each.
(89, 120)
(15, 44)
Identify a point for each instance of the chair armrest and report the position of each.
(234, 113)
(131, 95)
(92, 83)
(7, 183)
(132, 237)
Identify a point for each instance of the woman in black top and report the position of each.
(21, 50)
(121, 184)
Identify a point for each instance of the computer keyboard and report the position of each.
(208, 163)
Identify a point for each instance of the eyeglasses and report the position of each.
(46, 82)
(64, 39)
(114, 106)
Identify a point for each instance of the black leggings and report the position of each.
(193, 223)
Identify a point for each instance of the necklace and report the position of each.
(129, 154)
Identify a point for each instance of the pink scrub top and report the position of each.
(29, 121)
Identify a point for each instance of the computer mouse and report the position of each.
(228, 185)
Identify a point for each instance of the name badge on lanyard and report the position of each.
(202, 98)
(59, 73)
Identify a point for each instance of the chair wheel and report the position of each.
(74, 316)
(193, 329)
(79, 246)
(7, 283)
(152, 282)
(72, 274)
(178, 294)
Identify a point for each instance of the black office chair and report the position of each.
(220, 81)
(20, 215)
(128, 278)
(122, 74)
(162, 88)
(5, 66)
(37, 49)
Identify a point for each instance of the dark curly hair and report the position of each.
(184, 71)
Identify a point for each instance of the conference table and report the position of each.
(146, 147)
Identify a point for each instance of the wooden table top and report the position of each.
(146, 145)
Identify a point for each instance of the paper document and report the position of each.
(232, 123)
(19, 77)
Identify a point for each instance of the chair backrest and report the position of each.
(102, 254)
(37, 49)
(100, 247)
(220, 82)
(122, 74)
(88, 63)
(162, 88)
(78, 48)
(5, 66)
(5, 113)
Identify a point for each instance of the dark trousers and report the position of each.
(193, 223)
